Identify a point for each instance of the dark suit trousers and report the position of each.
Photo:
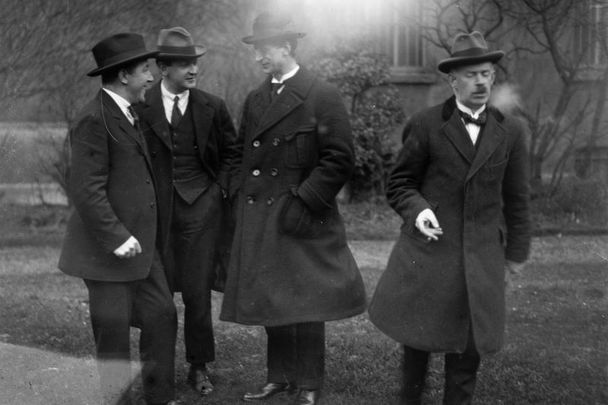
(296, 354)
(460, 375)
(148, 305)
(192, 244)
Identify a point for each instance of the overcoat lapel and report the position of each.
(493, 134)
(156, 110)
(456, 132)
(295, 91)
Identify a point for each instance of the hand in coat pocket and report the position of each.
(297, 220)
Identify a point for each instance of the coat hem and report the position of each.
(299, 319)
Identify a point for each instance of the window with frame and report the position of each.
(590, 33)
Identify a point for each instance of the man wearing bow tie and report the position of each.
(461, 186)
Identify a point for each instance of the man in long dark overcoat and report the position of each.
(461, 186)
(192, 143)
(291, 269)
(111, 235)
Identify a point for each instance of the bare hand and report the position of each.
(128, 249)
(427, 224)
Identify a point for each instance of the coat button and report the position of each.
(256, 143)
(276, 141)
(255, 172)
(270, 201)
(250, 199)
(147, 181)
(274, 171)
(152, 205)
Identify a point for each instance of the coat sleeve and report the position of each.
(88, 183)
(230, 149)
(336, 151)
(516, 195)
(405, 180)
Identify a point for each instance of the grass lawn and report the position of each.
(556, 345)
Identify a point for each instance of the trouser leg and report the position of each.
(310, 355)
(281, 354)
(415, 364)
(110, 307)
(156, 316)
(194, 238)
(461, 374)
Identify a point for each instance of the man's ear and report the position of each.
(122, 76)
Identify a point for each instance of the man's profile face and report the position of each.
(271, 57)
(180, 74)
(472, 84)
(138, 81)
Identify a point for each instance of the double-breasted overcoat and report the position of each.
(290, 262)
(433, 291)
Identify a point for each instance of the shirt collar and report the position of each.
(171, 96)
(122, 102)
(464, 108)
(286, 76)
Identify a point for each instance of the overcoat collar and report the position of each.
(293, 95)
(493, 134)
(202, 115)
(115, 120)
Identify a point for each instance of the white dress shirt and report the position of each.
(123, 104)
(168, 98)
(286, 76)
(472, 129)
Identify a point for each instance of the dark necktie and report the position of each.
(274, 90)
(176, 114)
(135, 117)
(468, 119)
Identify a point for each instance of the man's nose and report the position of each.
(193, 68)
(258, 55)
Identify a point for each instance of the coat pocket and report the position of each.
(300, 146)
(297, 220)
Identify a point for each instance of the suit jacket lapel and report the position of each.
(203, 118)
(293, 94)
(491, 136)
(119, 122)
(155, 113)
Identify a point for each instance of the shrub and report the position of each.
(362, 77)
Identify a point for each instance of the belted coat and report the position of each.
(290, 262)
(432, 291)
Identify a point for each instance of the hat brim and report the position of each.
(126, 59)
(448, 64)
(198, 52)
(252, 39)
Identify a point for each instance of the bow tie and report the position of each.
(468, 119)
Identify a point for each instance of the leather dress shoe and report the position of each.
(198, 378)
(269, 390)
(307, 397)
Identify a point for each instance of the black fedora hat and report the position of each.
(469, 49)
(176, 42)
(269, 26)
(117, 50)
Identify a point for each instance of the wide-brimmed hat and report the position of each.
(469, 49)
(176, 42)
(269, 26)
(117, 50)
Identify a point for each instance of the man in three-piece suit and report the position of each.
(111, 235)
(461, 186)
(290, 268)
(191, 139)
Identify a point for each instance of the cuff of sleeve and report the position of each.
(312, 199)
